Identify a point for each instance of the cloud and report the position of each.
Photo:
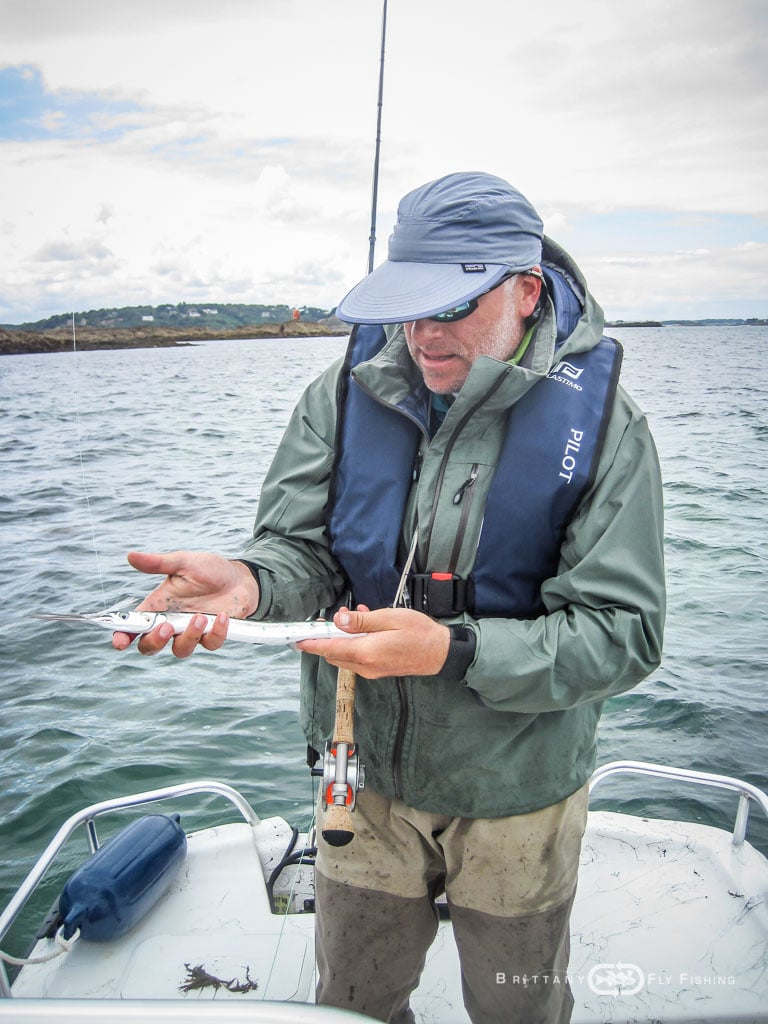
(29, 110)
(231, 146)
(647, 104)
(62, 251)
(52, 20)
(682, 283)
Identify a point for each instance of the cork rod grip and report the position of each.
(344, 728)
(338, 827)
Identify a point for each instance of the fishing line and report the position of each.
(81, 460)
(309, 852)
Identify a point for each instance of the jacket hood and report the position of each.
(575, 321)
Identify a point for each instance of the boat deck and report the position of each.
(670, 924)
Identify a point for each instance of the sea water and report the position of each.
(166, 448)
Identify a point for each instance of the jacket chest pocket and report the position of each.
(454, 512)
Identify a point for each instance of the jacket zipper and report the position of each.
(402, 728)
(461, 498)
(444, 464)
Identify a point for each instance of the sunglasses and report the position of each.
(465, 309)
(450, 316)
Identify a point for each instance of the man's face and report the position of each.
(444, 352)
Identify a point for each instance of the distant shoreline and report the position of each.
(633, 323)
(708, 322)
(23, 342)
(20, 341)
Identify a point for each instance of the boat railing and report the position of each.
(87, 818)
(747, 793)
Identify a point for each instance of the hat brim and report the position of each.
(398, 291)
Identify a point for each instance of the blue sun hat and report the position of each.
(454, 239)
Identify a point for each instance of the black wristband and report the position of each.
(461, 653)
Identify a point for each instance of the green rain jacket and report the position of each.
(519, 733)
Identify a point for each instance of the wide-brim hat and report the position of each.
(454, 239)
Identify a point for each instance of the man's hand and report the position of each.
(399, 642)
(195, 581)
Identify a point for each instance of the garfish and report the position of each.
(272, 633)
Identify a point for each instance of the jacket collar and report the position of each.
(394, 378)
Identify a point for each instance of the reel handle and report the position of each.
(339, 828)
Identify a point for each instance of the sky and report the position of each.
(165, 151)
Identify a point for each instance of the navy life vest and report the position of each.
(548, 461)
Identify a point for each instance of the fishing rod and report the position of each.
(374, 201)
(342, 773)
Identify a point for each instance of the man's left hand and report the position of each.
(398, 642)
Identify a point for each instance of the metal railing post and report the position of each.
(746, 791)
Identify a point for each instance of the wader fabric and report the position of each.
(509, 883)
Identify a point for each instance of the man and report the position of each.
(476, 466)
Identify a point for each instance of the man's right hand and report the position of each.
(195, 581)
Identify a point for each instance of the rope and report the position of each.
(401, 597)
(64, 946)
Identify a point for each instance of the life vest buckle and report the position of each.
(440, 595)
